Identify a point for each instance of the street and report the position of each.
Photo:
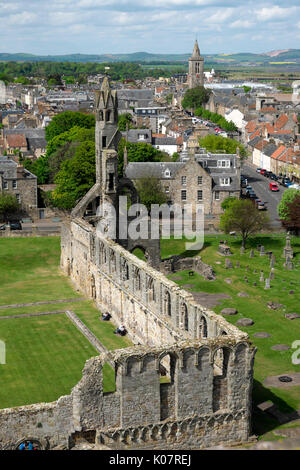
(260, 184)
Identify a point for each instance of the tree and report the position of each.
(218, 144)
(288, 197)
(76, 176)
(75, 134)
(39, 167)
(227, 202)
(150, 191)
(123, 120)
(195, 97)
(290, 211)
(65, 121)
(138, 152)
(8, 206)
(243, 217)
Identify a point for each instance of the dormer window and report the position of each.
(167, 174)
(223, 164)
(224, 181)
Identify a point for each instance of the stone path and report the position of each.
(24, 315)
(42, 303)
(209, 300)
(86, 332)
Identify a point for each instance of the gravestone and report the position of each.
(228, 264)
(262, 335)
(272, 262)
(229, 311)
(271, 276)
(262, 250)
(254, 284)
(280, 347)
(261, 278)
(251, 253)
(267, 284)
(242, 250)
(243, 294)
(292, 316)
(245, 322)
(224, 250)
(287, 250)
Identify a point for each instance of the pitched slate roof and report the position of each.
(135, 170)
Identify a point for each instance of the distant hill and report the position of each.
(279, 57)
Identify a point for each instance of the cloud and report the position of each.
(170, 26)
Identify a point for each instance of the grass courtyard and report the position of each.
(282, 331)
(45, 355)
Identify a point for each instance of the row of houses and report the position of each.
(275, 146)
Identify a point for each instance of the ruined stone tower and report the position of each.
(196, 68)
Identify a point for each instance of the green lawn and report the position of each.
(282, 330)
(44, 355)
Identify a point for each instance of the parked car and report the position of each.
(252, 195)
(273, 187)
(261, 206)
(274, 177)
(258, 170)
(13, 225)
(263, 171)
(268, 174)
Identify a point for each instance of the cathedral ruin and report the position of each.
(208, 362)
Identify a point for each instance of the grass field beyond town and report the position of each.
(45, 354)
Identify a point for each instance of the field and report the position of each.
(45, 354)
(283, 331)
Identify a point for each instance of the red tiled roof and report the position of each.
(255, 134)
(268, 109)
(262, 143)
(16, 140)
(281, 121)
(251, 126)
(278, 152)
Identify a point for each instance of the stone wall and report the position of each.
(154, 309)
(131, 416)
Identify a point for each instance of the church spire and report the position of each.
(196, 51)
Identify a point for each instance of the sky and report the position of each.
(157, 26)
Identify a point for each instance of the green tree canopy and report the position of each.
(227, 202)
(39, 167)
(76, 176)
(9, 206)
(74, 134)
(138, 152)
(219, 144)
(65, 121)
(243, 217)
(195, 97)
(150, 191)
(288, 197)
(217, 119)
(123, 120)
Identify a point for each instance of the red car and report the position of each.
(273, 187)
(262, 172)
